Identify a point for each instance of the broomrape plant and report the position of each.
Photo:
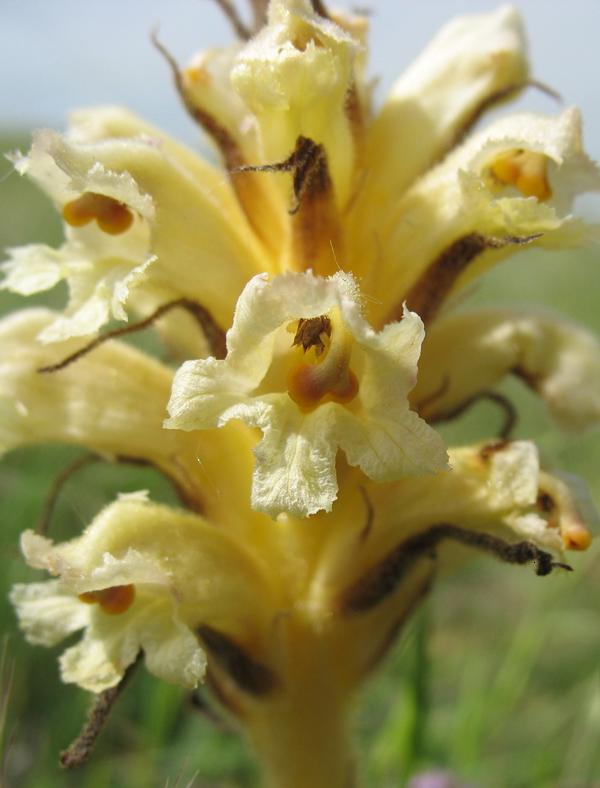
(318, 502)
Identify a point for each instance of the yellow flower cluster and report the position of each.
(300, 291)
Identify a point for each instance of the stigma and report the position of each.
(523, 169)
(113, 217)
(114, 600)
(576, 537)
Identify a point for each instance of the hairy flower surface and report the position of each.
(336, 384)
(305, 286)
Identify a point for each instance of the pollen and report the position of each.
(113, 600)
(524, 169)
(113, 217)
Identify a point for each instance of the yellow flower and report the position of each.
(336, 384)
(326, 250)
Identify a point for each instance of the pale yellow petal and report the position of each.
(460, 198)
(264, 379)
(112, 401)
(467, 354)
(213, 578)
(112, 643)
(472, 59)
(495, 488)
(295, 76)
(186, 217)
(48, 612)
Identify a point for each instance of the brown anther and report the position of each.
(328, 378)
(310, 332)
(113, 217)
(113, 601)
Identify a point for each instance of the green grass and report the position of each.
(497, 680)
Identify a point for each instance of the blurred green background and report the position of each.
(497, 680)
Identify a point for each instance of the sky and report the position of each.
(56, 56)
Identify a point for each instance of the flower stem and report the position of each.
(300, 733)
(302, 740)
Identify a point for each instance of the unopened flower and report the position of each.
(303, 286)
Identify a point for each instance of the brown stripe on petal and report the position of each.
(248, 190)
(419, 593)
(315, 225)
(251, 676)
(220, 135)
(384, 577)
(354, 112)
(435, 283)
(489, 102)
(316, 233)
